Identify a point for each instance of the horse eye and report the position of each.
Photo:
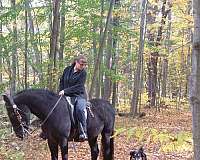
(12, 114)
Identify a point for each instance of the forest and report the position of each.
(142, 57)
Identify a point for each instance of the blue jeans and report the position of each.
(81, 114)
(81, 107)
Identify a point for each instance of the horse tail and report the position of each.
(104, 144)
(112, 146)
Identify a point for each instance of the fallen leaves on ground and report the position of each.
(168, 121)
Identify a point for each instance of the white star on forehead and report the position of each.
(14, 106)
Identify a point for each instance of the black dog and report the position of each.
(138, 155)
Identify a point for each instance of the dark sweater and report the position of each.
(73, 83)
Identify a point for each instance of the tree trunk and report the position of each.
(35, 41)
(26, 48)
(96, 89)
(1, 59)
(101, 47)
(98, 84)
(62, 33)
(14, 54)
(194, 95)
(188, 59)
(153, 59)
(165, 60)
(54, 46)
(94, 42)
(107, 81)
(115, 56)
(159, 84)
(138, 75)
(164, 77)
(188, 71)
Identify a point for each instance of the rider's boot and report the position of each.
(82, 127)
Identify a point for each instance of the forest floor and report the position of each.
(164, 135)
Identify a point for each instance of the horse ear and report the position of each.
(132, 153)
(7, 100)
(141, 149)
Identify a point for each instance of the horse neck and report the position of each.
(31, 102)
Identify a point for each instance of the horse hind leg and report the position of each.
(107, 146)
(53, 149)
(64, 148)
(94, 148)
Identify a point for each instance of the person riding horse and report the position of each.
(55, 114)
(72, 84)
(53, 111)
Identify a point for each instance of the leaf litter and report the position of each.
(164, 135)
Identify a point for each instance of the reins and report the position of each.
(51, 111)
(19, 117)
(48, 114)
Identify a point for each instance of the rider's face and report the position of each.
(80, 64)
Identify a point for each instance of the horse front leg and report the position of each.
(94, 148)
(64, 148)
(53, 146)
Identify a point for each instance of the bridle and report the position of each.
(19, 119)
(22, 124)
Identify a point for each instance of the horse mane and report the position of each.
(39, 91)
(44, 94)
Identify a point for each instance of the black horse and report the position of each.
(54, 111)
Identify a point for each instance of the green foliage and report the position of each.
(182, 142)
(119, 131)
(130, 133)
(112, 75)
(9, 15)
(9, 153)
(169, 142)
(83, 23)
(3, 132)
(3, 86)
(139, 134)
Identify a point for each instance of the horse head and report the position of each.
(15, 117)
(138, 155)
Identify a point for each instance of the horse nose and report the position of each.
(20, 136)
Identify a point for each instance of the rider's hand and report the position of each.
(61, 93)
